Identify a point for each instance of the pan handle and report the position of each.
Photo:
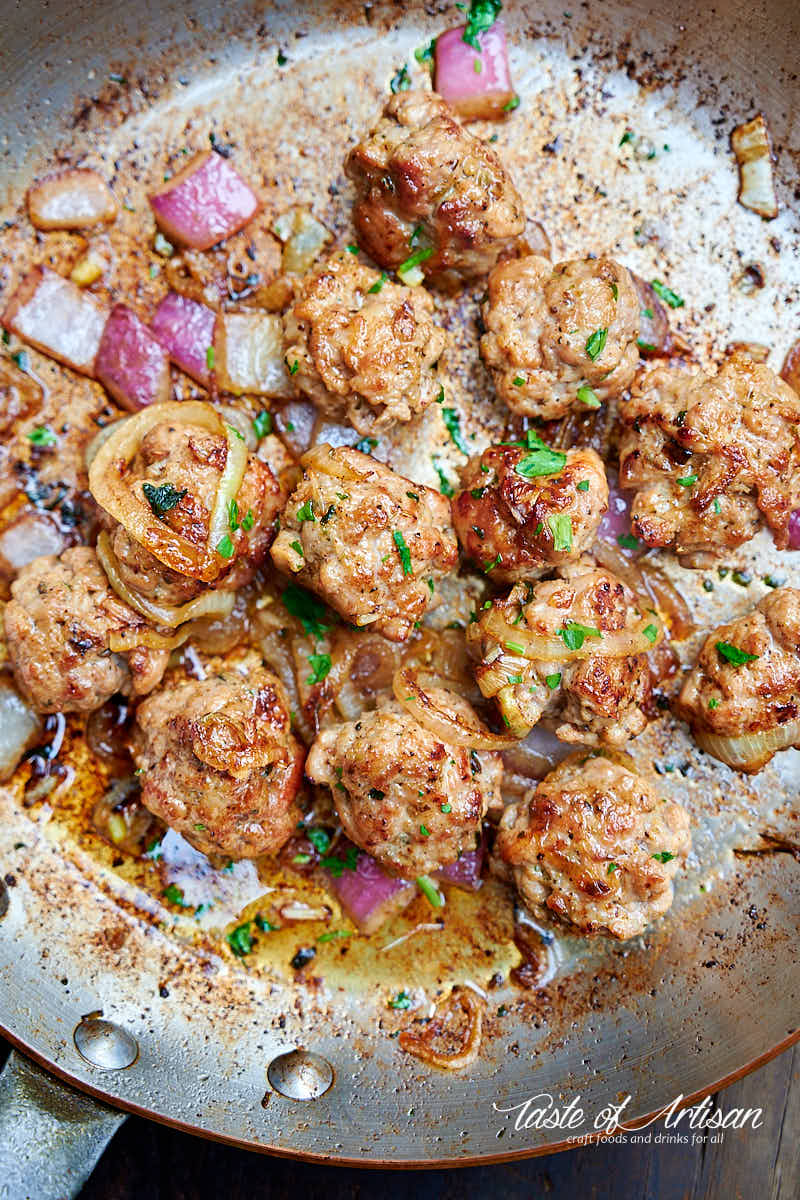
(51, 1136)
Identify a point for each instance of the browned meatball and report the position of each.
(711, 454)
(217, 759)
(367, 540)
(359, 345)
(516, 521)
(571, 650)
(176, 472)
(596, 845)
(742, 697)
(410, 800)
(424, 183)
(60, 623)
(560, 337)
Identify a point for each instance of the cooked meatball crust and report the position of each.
(590, 695)
(217, 759)
(711, 455)
(390, 778)
(192, 459)
(59, 622)
(551, 330)
(367, 540)
(596, 845)
(723, 697)
(525, 523)
(359, 345)
(424, 183)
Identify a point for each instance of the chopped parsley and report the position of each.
(298, 548)
(248, 520)
(716, 505)
(424, 54)
(403, 551)
(612, 867)
(540, 459)
(366, 445)
(687, 481)
(650, 632)
(306, 512)
(42, 435)
(595, 343)
(553, 681)
(515, 647)
(240, 940)
(561, 528)
(402, 1000)
(482, 15)
(337, 866)
(210, 358)
(734, 655)
(425, 832)
(666, 293)
(628, 541)
(445, 486)
(663, 856)
(513, 103)
(627, 136)
(615, 291)
(413, 260)
(20, 358)
(376, 794)
(175, 896)
(309, 611)
(574, 634)
(446, 808)
(319, 839)
(164, 497)
(351, 248)
(490, 566)
(401, 80)
(262, 423)
(294, 367)
(712, 704)
(453, 425)
(225, 547)
(334, 933)
(519, 381)
(320, 666)
(378, 284)
(583, 486)
(588, 396)
(412, 495)
(477, 493)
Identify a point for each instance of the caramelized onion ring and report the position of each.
(551, 648)
(229, 484)
(749, 751)
(450, 729)
(111, 490)
(419, 1045)
(210, 603)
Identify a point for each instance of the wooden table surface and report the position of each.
(150, 1162)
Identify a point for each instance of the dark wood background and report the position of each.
(150, 1162)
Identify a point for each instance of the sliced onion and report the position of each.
(420, 1044)
(248, 355)
(229, 484)
(185, 329)
(131, 362)
(32, 535)
(451, 729)
(130, 639)
(303, 236)
(74, 198)
(753, 149)
(749, 751)
(99, 439)
(55, 316)
(616, 520)
(204, 203)
(652, 588)
(477, 83)
(109, 486)
(551, 648)
(212, 603)
(20, 728)
(790, 371)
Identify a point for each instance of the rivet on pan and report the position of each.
(104, 1044)
(3, 898)
(300, 1075)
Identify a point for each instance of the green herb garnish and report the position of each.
(403, 551)
(225, 547)
(306, 512)
(240, 940)
(402, 1000)
(561, 528)
(553, 681)
(650, 632)
(734, 655)
(453, 425)
(262, 423)
(666, 293)
(42, 435)
(588, 396)
(320, 666)
(429, 889)
(574, 634)
(401, 80)
(309, 611)
(595, 343)
(378, 284)
(663, 856)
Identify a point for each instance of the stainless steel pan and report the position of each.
(715, 989)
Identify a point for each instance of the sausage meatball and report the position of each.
(60, 623)
(424, 184)
(217, 759)
(176, 472)
(410, 800)
(359, 345)
(745, 685)
(560, 337)
(592, 681)
(709, 455)
(515, 521)
(596, 845)
(367, 540)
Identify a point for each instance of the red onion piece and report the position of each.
(794, 530)
(32, 535)
(131, 362)
(204, 203)
(20, 729)
(474, 93)
(368, 895)
(465, 872)
(59, 319)
(185, 329)
(616, 521)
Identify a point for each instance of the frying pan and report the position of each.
(123, 1008)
